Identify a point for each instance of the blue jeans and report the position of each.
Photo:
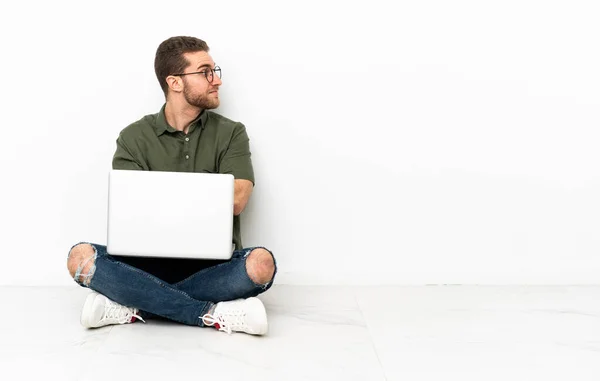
(185, 301)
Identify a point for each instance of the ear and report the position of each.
(175, 83)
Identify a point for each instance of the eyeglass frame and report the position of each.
(216, 69)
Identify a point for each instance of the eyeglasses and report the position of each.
(209, 73)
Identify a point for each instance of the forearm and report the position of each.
(241, 195)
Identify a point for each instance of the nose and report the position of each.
(216, 80)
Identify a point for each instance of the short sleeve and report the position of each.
(124, 158)
(236, 160)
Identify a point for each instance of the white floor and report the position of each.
(320, 333)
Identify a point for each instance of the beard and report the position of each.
(203, 101)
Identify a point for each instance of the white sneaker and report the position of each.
(99, 311)
(242, 315)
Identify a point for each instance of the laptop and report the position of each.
(170, 214)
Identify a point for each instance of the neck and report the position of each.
(180, 115)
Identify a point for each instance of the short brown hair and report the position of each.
(169, 58)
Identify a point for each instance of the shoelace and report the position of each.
(119, 313)
(228, 321)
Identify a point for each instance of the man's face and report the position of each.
(198, 91)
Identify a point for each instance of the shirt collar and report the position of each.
(162, 126)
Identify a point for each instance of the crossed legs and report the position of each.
(249, 273)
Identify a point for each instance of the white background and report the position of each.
(410, 142)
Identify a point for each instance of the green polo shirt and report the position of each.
(213, 144)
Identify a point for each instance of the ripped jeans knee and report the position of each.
(81, 262)
(262, 271)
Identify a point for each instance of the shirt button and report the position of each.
(187, 156)
(187, 139)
